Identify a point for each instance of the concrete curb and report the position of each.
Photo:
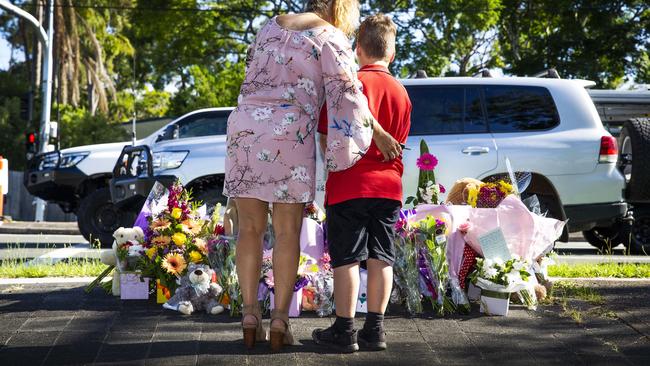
(48, 280)
(35, 228)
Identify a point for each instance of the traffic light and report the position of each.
(31, 142)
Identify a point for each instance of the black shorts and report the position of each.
(362, 228)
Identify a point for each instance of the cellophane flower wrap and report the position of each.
(510, 276)
(323, 282)
(407, 275)
(428, 190)
(431, 244)
(221, 254)
(174, 239)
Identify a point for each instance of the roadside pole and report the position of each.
(46, 83)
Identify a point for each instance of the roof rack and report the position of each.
(548, 73)
(484, 73)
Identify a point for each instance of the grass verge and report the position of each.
(19, 268)
(613, 270)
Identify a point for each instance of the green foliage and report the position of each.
(78, 127)
(148, 104)
(209, 89)
(614, 270)
(595, 40)
(19, 268)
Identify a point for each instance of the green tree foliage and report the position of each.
(13, 85)
(596, 39)
(78, 127)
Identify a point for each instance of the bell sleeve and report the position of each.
(349, 121)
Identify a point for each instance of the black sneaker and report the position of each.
(343, 342)
(372, 340)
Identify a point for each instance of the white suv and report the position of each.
(548, 127)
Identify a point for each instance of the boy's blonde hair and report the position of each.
(377, 36)
(343, 13)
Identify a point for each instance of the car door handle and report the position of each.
(476, 150)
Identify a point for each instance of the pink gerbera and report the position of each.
(427, 161)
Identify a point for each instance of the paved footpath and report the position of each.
(59, 324)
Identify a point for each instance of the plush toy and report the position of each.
(197, 292)
(458, 193)
(109, 257)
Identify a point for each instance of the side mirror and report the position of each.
(170, 133)
(175, 132)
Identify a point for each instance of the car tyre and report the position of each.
(98, 218)
(606, 238)
(634, 158)
(640, 233)
(210, 197)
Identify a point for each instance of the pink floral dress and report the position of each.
(271, 134)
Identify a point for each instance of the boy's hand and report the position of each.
(389, 147)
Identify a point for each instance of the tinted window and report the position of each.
(520, 108)
(445, 110)
(203, 124)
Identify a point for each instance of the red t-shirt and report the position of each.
(370, 177)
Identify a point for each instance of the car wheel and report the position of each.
(634, 158)
(98, 218)
(640, 235)
(606, 238)
(210, 198)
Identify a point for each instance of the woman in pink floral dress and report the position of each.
(296, 63)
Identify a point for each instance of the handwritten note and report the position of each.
(494, 245)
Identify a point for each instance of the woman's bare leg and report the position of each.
(253, 219)
(287, 222)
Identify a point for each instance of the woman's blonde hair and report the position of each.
(344, 14)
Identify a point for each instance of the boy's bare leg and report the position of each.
(380, 284)
(346, 289)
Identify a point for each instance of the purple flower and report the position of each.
(427, 161)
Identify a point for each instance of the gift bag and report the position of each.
(132, 287)
(294, 307)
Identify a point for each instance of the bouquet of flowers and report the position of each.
(496, 275)
(307, 267)
(323, 282)
(431, 243)
(489, 195)
(129, 254)
(428, 190)
(174, 239)
(407, 275)
(221, 255)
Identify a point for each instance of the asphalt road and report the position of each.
(48, 248)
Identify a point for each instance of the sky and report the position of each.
(5, 50)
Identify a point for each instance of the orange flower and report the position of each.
(160, 240)
(191, 226)
(174, 263)
(160, 224)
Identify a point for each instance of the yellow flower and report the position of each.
(504, 187)
(472, 196)
(151, 252)
(179, 239)
(174, 263)
(160, 240)
(195, 256)
(176, 213)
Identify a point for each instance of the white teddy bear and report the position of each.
(109, 257)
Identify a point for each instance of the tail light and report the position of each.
(608, 150)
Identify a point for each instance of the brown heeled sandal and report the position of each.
(252, 332)
(280, 337)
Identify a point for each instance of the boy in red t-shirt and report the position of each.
(363, 202)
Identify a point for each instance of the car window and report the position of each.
(446, 110)
(520, 108)
(203, 124)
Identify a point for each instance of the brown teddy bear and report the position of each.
(459, 192)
